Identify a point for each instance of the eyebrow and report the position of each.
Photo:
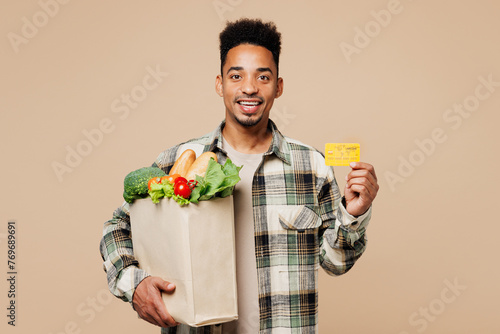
(239, 68)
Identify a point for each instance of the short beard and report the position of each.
(249, 122)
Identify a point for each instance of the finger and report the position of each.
(364, 192)
(166, 286)
(363, 165)
(363, 180)
(148, 313)
(361, 173)
(159, 315)
(156, 313)
(151, 317)
(163, 316)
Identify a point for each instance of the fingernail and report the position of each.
(352, 164)
(170, 286)
(346, 178)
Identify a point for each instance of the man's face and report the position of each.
(249, 84)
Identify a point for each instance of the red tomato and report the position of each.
(180, 179)
(154, 180)
(182, 189)
(170, 178)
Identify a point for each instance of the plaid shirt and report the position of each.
(300, 225)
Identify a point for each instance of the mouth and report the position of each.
(249, 106)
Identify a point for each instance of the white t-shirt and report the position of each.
(246, 267)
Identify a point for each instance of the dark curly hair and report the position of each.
(250, 31)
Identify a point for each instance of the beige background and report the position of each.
(436, 227)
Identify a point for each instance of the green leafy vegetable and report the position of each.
(219, 181)
(160, 190)
(181, 200)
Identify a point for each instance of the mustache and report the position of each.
(253, 97)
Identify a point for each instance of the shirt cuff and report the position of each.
(351, 222)
(129, 280)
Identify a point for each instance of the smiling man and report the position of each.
(290, 217)
(248, 84)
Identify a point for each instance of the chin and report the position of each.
(249, 121)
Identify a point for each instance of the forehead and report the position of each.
(249, 57)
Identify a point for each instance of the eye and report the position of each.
(264, 77)
(235, 76)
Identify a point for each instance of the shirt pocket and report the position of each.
(299, 218)
(298, 272)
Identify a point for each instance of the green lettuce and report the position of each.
(219, 181)
(159, 191)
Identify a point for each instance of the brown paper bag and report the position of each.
(193, 247)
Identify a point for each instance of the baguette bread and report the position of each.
(183, 163)
(199, 167)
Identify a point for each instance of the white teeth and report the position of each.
(248, 103)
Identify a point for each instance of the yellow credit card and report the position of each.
(341, 154)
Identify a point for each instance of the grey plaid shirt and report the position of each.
(300, 225)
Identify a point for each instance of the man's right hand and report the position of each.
(148, 303)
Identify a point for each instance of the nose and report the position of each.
(249, 87)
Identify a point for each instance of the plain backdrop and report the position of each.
(408, 80)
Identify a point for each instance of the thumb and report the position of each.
(166, 286)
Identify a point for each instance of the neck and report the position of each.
(248, 140)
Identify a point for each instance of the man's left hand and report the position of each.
(361, 188)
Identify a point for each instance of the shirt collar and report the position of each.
(279, 145)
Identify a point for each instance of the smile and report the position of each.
(249, 106)
(249, 103)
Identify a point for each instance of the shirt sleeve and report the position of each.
(342, 236)
(120, 265)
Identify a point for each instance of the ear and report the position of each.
(218, 85)
(279, 89)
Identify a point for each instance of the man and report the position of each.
(289, 215)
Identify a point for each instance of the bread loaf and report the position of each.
(199, 167)
(183, 163)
